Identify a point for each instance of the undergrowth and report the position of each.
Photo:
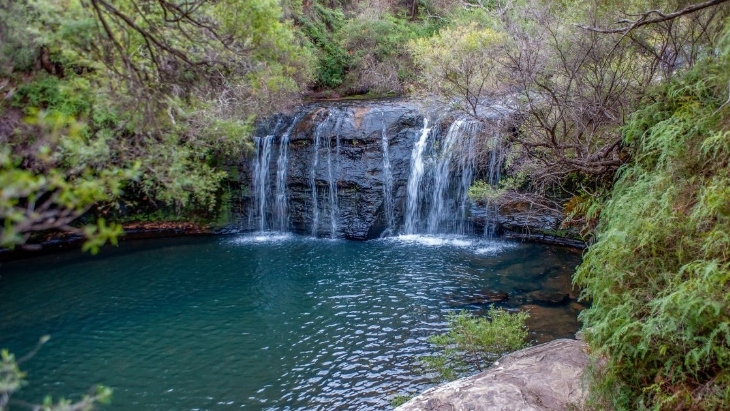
(658, 274)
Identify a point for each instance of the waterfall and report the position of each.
(337, 173)
(387, 182)
(466, 166)
(493, 176)
(414, 180)
(438, 188)
(313, 175)
(261, 179)
(442, 177)
(331, 181)
(281, 211)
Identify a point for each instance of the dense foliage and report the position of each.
(658, 275)
(113, 107)
(361, 48)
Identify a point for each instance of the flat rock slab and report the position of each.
(545, 377)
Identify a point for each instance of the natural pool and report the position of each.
(268, 322)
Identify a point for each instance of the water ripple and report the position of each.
(260, 322)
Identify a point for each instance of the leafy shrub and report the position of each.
(474, 343)
(659, 274)
(399, 400)
(460, 64)
(66, 97)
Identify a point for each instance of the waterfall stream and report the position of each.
(387, 183)
(313, 175)
(356, 172)
(331, 179)
(261, 181)
(414, 180)
(281, 211)
(439, 180)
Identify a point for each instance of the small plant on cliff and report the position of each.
(473, 343)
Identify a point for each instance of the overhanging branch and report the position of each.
(646, 18)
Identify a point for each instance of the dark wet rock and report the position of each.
(518, 216)
(488, 297)
(527, 222)
(524, 221)
(540, 378)
(544, 238)
(350, 137)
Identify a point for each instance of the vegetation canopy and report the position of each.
(111, 106)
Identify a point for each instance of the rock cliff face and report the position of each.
(547, 377)
(521, 220)
(355, 134)
(363, 169)
(339, 150)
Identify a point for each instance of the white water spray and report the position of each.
(261, 178)
(414, 180)
(281, 207)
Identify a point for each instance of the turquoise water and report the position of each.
(284, 323)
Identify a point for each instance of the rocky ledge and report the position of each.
(545, 377)
(59, 241)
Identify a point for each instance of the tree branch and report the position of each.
(645, 19)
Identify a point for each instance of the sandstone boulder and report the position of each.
(545, 377)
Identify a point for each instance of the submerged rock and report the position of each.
(488, 297)
(545, 324)
(545, 297)
(540, 378)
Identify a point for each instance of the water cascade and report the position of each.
(414, 180)
(441, 177)
(261, 181)
(387, 183)
(331, 180)
(437, 187)
(281, 209)
(313, 174)
(363, 171)
(493, 176)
